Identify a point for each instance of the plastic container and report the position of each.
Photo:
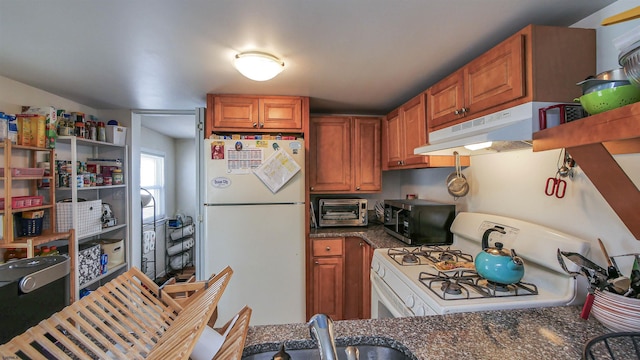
(45, 251)
(12, 130)
(118, 177)
(53, 250)
(4, 126)
(102, 132)
(80, 130)
(10, 254)
(116, 134)
(93, 131)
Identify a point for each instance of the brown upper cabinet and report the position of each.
(405, 128)
(539, 63)
(255, 113)
(344, 154)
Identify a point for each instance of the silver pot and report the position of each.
(605, 80)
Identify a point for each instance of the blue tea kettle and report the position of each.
(497, 264)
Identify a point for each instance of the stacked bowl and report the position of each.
(616, 312)
(608, 90)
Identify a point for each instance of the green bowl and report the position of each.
(607, 99)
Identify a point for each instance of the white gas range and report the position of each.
(406, 281)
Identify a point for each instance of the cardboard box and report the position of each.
(24, 128)
(116, 134)
(88, 263)
(114, 249)
(38, 131)
(51, 123)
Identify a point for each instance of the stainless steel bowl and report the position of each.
(612, 75)
(592, 85)
(605, 80)
(630, 60)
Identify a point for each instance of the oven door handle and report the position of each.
(387, 298)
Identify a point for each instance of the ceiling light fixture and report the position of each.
(257, 65)
(479, 146)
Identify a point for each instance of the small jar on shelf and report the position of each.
(118, 177)
(102, 132)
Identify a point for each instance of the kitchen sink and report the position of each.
(369, 352)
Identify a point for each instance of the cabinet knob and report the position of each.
(464, 110)
(361, 244)
(255, 125)
(311, 188)
(357, 187)
(457, 112)
(316, 262)
(261, 126)
(328, 248)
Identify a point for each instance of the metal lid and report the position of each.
(17, 269)
(498, 250)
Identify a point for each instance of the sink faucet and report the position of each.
(321, 330)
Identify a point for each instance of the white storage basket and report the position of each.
(89, 217)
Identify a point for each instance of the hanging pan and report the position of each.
(457, 184)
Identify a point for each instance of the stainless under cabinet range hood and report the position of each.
(506, 130)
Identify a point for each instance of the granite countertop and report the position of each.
(544, 333)
(373, 234)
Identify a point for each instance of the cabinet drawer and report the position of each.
(327, 247)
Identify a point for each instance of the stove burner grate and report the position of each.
(517, 289)
(427, 254)
(467, 284)
(404, 257)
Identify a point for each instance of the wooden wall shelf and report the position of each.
(592, 142)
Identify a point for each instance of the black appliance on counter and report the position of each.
(419, 222)
(31, 290)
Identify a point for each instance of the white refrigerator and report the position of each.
(254, 222)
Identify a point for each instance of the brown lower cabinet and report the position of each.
(339, 283)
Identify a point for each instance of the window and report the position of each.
(152, 179)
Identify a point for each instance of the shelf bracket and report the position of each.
(611, 181)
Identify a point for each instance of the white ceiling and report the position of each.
(349, 56)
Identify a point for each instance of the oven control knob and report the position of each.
(420, 311)
(410, 301)
(376, 267)
(382, 272)
(27, 283)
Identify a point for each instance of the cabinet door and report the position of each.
(357, 292)
(328, 274)
(237, 112)
(444, 99)
(497, 76)
(415, 129)
(330, 154)
(281, 113)
(394, 133)
(366, 147)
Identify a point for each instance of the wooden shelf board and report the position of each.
(47, 236)
(592, 142)
(619, 126)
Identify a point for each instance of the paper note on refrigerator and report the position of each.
(244, 160)
(276, 170)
